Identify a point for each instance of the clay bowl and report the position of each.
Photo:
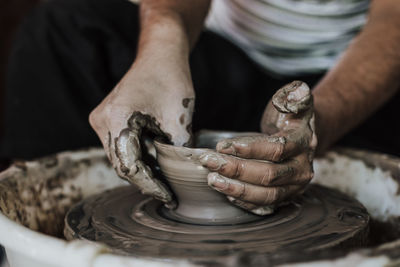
(197, 202)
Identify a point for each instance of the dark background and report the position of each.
(11, 15)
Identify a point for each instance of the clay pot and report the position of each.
(197, 202)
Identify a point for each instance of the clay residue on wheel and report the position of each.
(37, 194)
(31, 200)
(132, 224)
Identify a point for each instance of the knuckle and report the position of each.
(108, 110)
(243, 191)
(237, 190)
(97, 118)
(278, 153)
(268, 177)
(244, 145)
(308, 176)
(241, 149)
(275, 148)
(272, 196)
(239, 168)
(221, 168)
(94, 119)
(287, 173)
(226, 168)
(230, 189)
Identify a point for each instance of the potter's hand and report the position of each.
(257, 172)
(147, 99)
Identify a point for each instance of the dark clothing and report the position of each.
(69, 54)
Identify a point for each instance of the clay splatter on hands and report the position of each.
(130, 165)
(186, 102)
(293, 98)
(257, 172)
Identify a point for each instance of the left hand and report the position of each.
(260, 171)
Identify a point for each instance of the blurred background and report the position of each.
(11, 14)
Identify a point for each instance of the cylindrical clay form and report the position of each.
(197, 202)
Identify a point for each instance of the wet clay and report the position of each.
(197, 201)
(130, 164)
(134, 224)
(205, 224)
(293, 98)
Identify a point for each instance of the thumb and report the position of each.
(294, 98)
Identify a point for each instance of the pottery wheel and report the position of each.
(133, 224)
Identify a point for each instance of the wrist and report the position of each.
(163, 36)
(164, 48)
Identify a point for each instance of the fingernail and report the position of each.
(300, 93)
(171, 205)
(212, 161)
(262, 211)
(224, 145)
(216, 181)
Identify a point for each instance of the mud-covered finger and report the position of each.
(294, 97)
(255, 172)
(130, 167)
(258, 195)
(261, 147)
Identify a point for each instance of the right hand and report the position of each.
(152, 96)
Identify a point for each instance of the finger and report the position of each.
(130, 166)
(262, 147)
(257, 210)
(251, 171)
(258, 195)
(108, 146)
(293, 98)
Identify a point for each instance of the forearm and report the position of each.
(364, 79)
(170, 27)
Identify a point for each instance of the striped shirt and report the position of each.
(289, 37)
